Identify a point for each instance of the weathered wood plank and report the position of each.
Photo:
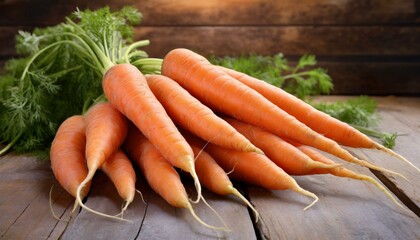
(7, 40)
(104, 198)
(221, 12)
(156, 219)
(25, 183)
(347, 210)
(268, 12)
(36, 219)
(290, 40)
(165, 222)
(374, 77)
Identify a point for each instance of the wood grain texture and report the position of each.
(347, 210)
(374, 77)
(104, 198)
(165, 222)
(221, 12)
(380, 29)
(289, 40)
(25, 184)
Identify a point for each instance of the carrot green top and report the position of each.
(60, 73)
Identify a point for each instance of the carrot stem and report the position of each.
(10, 145)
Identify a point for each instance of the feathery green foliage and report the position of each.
(59, 73)
(302, 80)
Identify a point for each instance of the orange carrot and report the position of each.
(159, 172)
(282, 153)
(255, 169)
(313, 118)
(126, 88)
(213, 177)
(221, 92)
(67, 155)
(121, 172)
(341, 171)
(194, 116)
(106, 129)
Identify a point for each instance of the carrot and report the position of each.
(341, 171)
(256, 169)
(194, 116)
(106, 129)
(67, 155)
(219, 91)
(159, 172)
(126, 88)
(121, 172)
(282, 153)
(317, 120)
(213, 177)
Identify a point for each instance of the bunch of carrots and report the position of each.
(202, 119)
(182, 112)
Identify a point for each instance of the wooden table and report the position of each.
(348, 209)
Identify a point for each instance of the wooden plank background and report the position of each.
(368, 47)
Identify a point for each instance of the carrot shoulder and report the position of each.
(223, 93)
(317, 120)
(127, 89)
(67, 155)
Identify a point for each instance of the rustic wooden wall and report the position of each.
(368, 47)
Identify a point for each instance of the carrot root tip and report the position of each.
(367, 164)
(141, 196)
(190, 208)
(239, 195)
(51, 206)
(76, 204)
(394, 154)
(257, 150)
(380, 187)
(88, 178)
(216, 213)
(309, 194)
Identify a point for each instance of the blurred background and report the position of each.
(368, 47)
